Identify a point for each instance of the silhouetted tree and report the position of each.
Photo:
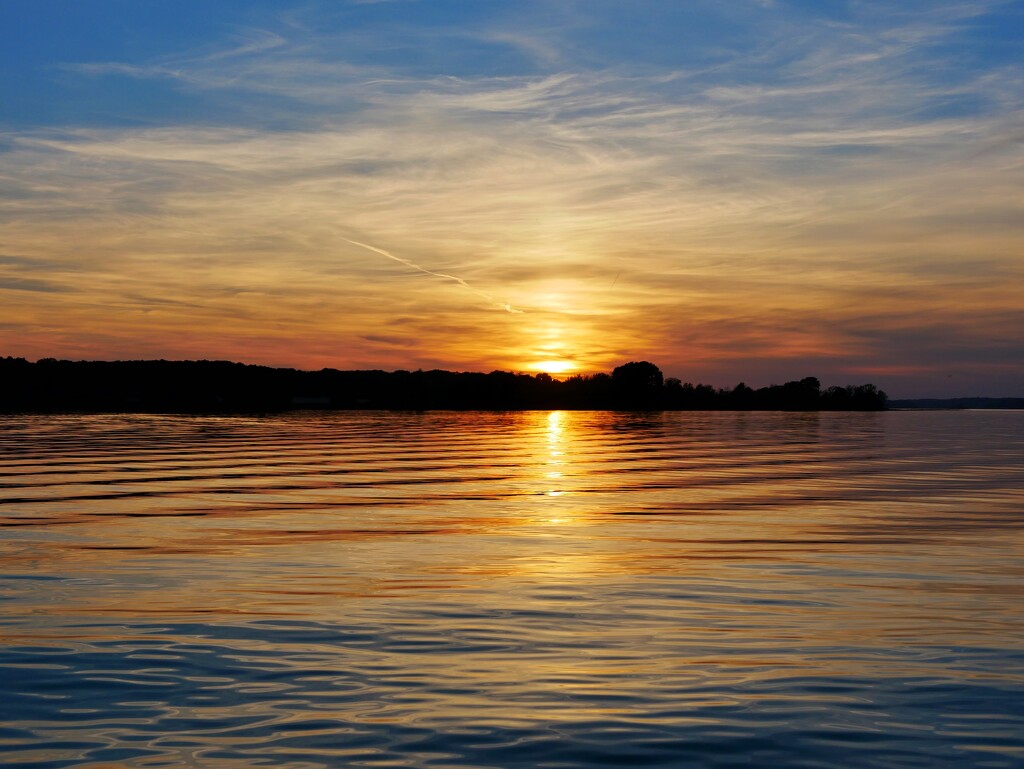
(210, 386)
(638, 384)
(638, 374)
(854, 398)
(673, 396)
(741, 396)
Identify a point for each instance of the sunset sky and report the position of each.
(753, 190)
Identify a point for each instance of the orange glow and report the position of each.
(553, 366)
(253, 258)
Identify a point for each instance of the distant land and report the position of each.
(957, 403)
(50, 385)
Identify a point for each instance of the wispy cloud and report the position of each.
(740, 206)
(30, 284)
(457, 280)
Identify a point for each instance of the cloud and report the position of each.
(30, 284)
(455, 279)
(738, 206)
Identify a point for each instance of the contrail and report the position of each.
(503, 305)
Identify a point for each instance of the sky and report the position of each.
(736, 190)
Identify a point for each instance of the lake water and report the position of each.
(565, 589)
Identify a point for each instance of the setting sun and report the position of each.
(553, 366)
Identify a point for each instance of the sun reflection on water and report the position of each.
(351, 588)
(555, 458)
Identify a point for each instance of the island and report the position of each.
(206, 386)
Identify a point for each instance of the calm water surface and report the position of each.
(538, 589)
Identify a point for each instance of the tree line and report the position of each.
(203, 386)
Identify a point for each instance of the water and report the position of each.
(536, 589)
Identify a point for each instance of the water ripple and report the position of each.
(565, 589)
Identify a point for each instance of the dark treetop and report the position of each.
(221, 386)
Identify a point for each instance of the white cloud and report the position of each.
(625, 204)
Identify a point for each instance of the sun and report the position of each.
(553, 366)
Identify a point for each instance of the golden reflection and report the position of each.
(553, 463)
(555, 426)
(569, 507)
